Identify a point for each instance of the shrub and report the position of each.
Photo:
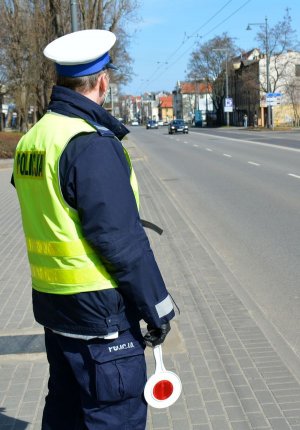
(8, 143)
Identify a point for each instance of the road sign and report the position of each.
(269, 95)
(228, 106)
(273, 99)
(228, 102)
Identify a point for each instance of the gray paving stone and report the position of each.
(160, 421)
(279, 424)
(271, 411)
(290, 406)
(293, 413)
(198, 416)
(219, 375)
(250, 405)
(190, 388)
(194, 402)
(294, 421)
(230, 399)
(209, 394)
(243, 392)
(257, 419)
(180, 424)
(214, 408)
(178, 412)
(241, 425)
(264, 397)
(219, 423)
(235, 413)
(201, 427)
(224, 387)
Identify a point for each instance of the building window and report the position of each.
(297, 70)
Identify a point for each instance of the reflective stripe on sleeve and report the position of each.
(80, 276)
(59, 249)
(164, 307)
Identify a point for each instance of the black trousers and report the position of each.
(96, 384)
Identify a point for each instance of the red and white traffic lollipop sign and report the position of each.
(164, 387)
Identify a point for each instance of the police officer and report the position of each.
(94, 275)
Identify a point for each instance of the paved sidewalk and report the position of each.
(233, 378)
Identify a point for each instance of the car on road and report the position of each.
(178, 126)
(134, 122)
(151, 124)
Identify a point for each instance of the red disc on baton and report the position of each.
(163, 390)
(164, 387)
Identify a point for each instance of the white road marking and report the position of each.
(227, 155)
(186, 142)
(196, 146)
(294, 176)
(267, 145)
(253, 164)
(208, 149)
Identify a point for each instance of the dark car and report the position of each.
(178, 126)
(151, 124)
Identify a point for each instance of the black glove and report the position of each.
(155, 336)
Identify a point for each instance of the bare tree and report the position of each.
(208, 62)
(27, 26)
(277, 40)
(112, 15)
(292, 90)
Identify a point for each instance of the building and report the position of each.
(248, 88)
(165, 108)
(192, 101)
(244, 86)
(149, 107)
(130, 108)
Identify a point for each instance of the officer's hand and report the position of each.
(156, 336)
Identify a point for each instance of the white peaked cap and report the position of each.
(81, 53)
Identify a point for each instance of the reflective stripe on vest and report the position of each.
(61, 260)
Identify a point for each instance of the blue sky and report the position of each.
(167, 30)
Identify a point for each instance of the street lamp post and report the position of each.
(74, 17)
(265, 24)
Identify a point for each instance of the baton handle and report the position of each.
(157, 352)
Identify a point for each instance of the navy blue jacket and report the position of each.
(95, 180)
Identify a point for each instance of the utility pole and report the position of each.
(265, 24)
(226, 78)
(74, 15)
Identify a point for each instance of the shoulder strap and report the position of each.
(102, 131)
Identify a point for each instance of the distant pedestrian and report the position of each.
(245, 118)
(255, 120)
(14, 120)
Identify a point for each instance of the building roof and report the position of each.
(166, 102)
(194, 87)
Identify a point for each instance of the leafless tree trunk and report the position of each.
(27, 26)
(292, 90)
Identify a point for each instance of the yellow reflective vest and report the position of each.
(61, 260)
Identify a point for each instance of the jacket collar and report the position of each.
(71, 103)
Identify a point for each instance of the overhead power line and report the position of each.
(186, 38)
(214, 28)
(149, 80)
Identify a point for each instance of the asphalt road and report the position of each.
(242, 189)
